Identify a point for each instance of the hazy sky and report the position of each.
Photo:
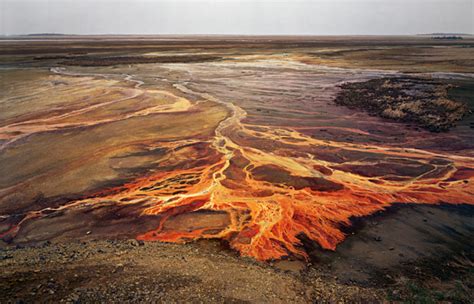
(318, 17)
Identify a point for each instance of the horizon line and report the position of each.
(233, 34)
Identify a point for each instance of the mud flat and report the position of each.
(247, 149)
(110, 61)
(420, 253)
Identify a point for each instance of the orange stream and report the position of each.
(266, 219)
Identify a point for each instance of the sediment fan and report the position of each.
(258, 185)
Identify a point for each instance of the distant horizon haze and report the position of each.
(233, 17)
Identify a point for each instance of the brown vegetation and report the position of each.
(411, 100)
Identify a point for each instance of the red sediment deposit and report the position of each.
(270, 199)
(233, 153)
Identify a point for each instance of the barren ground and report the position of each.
(222, 170)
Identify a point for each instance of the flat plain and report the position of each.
(313, 168)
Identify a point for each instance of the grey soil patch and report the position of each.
(408, 250)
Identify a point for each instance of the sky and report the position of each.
(247, 17)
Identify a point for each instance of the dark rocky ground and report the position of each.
(417, 254)
(126, 272)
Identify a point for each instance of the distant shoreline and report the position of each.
(63, 35)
